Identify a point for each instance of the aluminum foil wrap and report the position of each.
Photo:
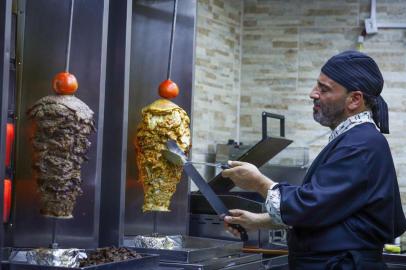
(49, 257)
(158, 241)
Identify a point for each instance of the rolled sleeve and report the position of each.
(273, 206)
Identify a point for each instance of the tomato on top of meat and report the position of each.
(168, 89)
(64, 83)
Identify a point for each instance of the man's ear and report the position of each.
(355, 100)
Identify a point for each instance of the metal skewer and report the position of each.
(69, 37)
(168, 75)
(54, 244)
(175, 9)
(155, 228)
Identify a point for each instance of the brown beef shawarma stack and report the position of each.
(62, 125)
(162, 120)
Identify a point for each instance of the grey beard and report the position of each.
(329, 117)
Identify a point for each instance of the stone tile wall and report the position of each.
(217, 76)
(284, 44)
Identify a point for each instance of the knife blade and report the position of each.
(212, 198)
(175, 156)
(216, 165)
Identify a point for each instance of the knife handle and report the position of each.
(241, 230)
(225, 166)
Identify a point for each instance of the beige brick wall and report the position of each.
(284, 44)
(217, 75)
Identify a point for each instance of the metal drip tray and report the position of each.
(192, 249)
(147, 262)
(241, 261)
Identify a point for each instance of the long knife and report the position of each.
(203, 186)
(212, 198)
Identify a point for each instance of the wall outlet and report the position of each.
(370, 26)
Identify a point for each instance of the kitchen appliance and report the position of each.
(258, 154)
(117, 75)
(33, 81)
(202, 253)
(204, 223)
(152, 20)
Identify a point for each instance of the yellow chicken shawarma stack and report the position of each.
(162, 120)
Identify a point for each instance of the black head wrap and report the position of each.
(359, 72)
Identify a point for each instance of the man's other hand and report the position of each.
(248, 177)
(249, 220)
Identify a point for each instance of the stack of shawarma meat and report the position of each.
(61, 128)
(162, 120)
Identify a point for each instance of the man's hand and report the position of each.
(249, 220)
(248, 177)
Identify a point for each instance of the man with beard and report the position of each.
(349, 205)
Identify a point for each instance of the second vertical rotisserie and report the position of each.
(162, 120)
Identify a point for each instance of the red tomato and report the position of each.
(168, 89)
(7, 200)
(65, 83)
(9, 142)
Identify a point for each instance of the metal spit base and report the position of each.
(203, 254)
(191, 249)
(241, 261)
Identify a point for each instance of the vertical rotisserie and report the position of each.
(162, 120)
(61, 128)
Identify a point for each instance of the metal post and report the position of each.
(171, 43)
(155, 230)
(69, 36)
(112, 203)
(265, 116)
(5, 32)
(54, 244)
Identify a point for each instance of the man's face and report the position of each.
(329, 99)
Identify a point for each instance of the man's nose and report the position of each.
(314, 94)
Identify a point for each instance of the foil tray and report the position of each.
(190, 249)
(147, 262)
